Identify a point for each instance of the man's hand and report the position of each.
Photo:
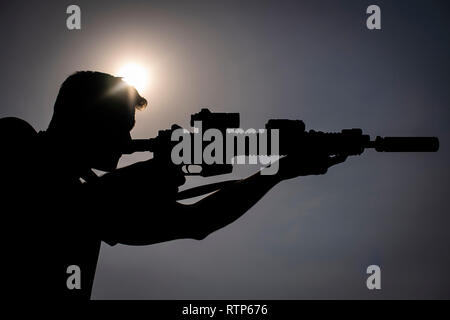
(293, 166)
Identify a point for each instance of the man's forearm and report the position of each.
(228, 204)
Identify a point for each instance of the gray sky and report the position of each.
(312, 237)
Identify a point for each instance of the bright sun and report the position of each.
(134, 75)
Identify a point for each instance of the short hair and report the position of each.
(89, 98)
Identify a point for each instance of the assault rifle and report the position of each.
(293, 139)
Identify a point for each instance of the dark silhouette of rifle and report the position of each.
(293, 140)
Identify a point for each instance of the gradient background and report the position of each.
(311, 237)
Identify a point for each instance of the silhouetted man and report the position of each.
(58, 211)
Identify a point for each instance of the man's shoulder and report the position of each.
(17, 145)
(15, 132)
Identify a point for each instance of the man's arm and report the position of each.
(198, 220)
(228, 204)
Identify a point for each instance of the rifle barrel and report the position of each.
(404, 144)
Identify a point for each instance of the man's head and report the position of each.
(93, 115)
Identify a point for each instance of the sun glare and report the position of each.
(134, 75)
